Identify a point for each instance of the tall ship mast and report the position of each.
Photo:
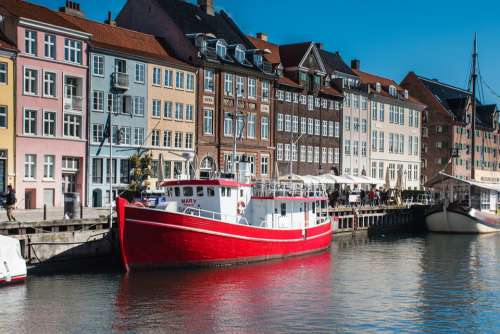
(473, 104)
(466, 205)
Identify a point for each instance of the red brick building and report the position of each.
(233, 78)
(446, 124)
(307, 109)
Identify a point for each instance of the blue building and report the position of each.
(118, 78)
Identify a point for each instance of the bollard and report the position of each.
(45, 212)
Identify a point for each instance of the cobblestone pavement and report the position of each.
(36, 215)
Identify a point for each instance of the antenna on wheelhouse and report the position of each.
(473, 118)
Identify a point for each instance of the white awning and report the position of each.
(484, 185)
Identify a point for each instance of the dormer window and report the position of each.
(239, 54)
(302, 76)
(221, 49)
(203, 46)
(317, 80)
(406, 94)
(392, 91)
(257, 58)
(378, 87)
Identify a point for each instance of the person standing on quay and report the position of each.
(10, 203)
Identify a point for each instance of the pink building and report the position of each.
(51, 97)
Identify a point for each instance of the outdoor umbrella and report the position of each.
(387, 179)
(160, 168)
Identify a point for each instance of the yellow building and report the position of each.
(7, 139)
(171, 119)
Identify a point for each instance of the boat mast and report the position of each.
(235, 131)
(473, 120)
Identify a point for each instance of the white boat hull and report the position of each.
(12, 264)
(454, 222)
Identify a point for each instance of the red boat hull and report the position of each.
(153, 238)
(13, 280)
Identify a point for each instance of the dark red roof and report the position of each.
(6, 44)
(371, 80)
(107, 36)
(24, 9)
(288, 82)
(331, 91)
(273, 57)
(292, 54)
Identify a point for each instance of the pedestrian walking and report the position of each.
(10, 203)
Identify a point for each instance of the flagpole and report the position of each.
(110, 168)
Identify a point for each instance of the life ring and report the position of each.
(138, 204)
(240, 208)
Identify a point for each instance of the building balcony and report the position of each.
(73, 103)
(120, 81)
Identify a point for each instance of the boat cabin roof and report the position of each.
(208, 182)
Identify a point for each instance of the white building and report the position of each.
(394, 131)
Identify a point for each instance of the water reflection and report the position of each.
(459, 278)
(241, 297)
(431, 283)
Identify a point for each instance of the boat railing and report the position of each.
(287, 189)
(215, 215)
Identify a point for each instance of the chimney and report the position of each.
(355, 64)
(262, 36)
(319, 46)
(110, 20)
(72, 8)
(207, 6)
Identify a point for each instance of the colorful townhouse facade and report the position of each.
(355, 123)
(447, 127)
(8, 53)
(307, 109)
(395, 127)
(51, 104)
(234, 81)
(147, 96)
(172, 103)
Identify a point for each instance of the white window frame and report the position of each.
(31, 79)
(30, 165)
(53, 84)
(168, 78)
(98, 65)
(30, 42)
(49, 44)
(156, 78)
(50, 121)
(77, 126)
(4, 73)
(209, 80)
(73, 49)
(252, 88)
(180, 80)
(31, 132)
(156, 108)
(140, 73)
(208, 119)
(49, 166)
(264, 128)
(96, 94)
(190, 82)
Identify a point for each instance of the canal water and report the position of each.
(430, 283)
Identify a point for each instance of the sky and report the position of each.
(391, 37)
